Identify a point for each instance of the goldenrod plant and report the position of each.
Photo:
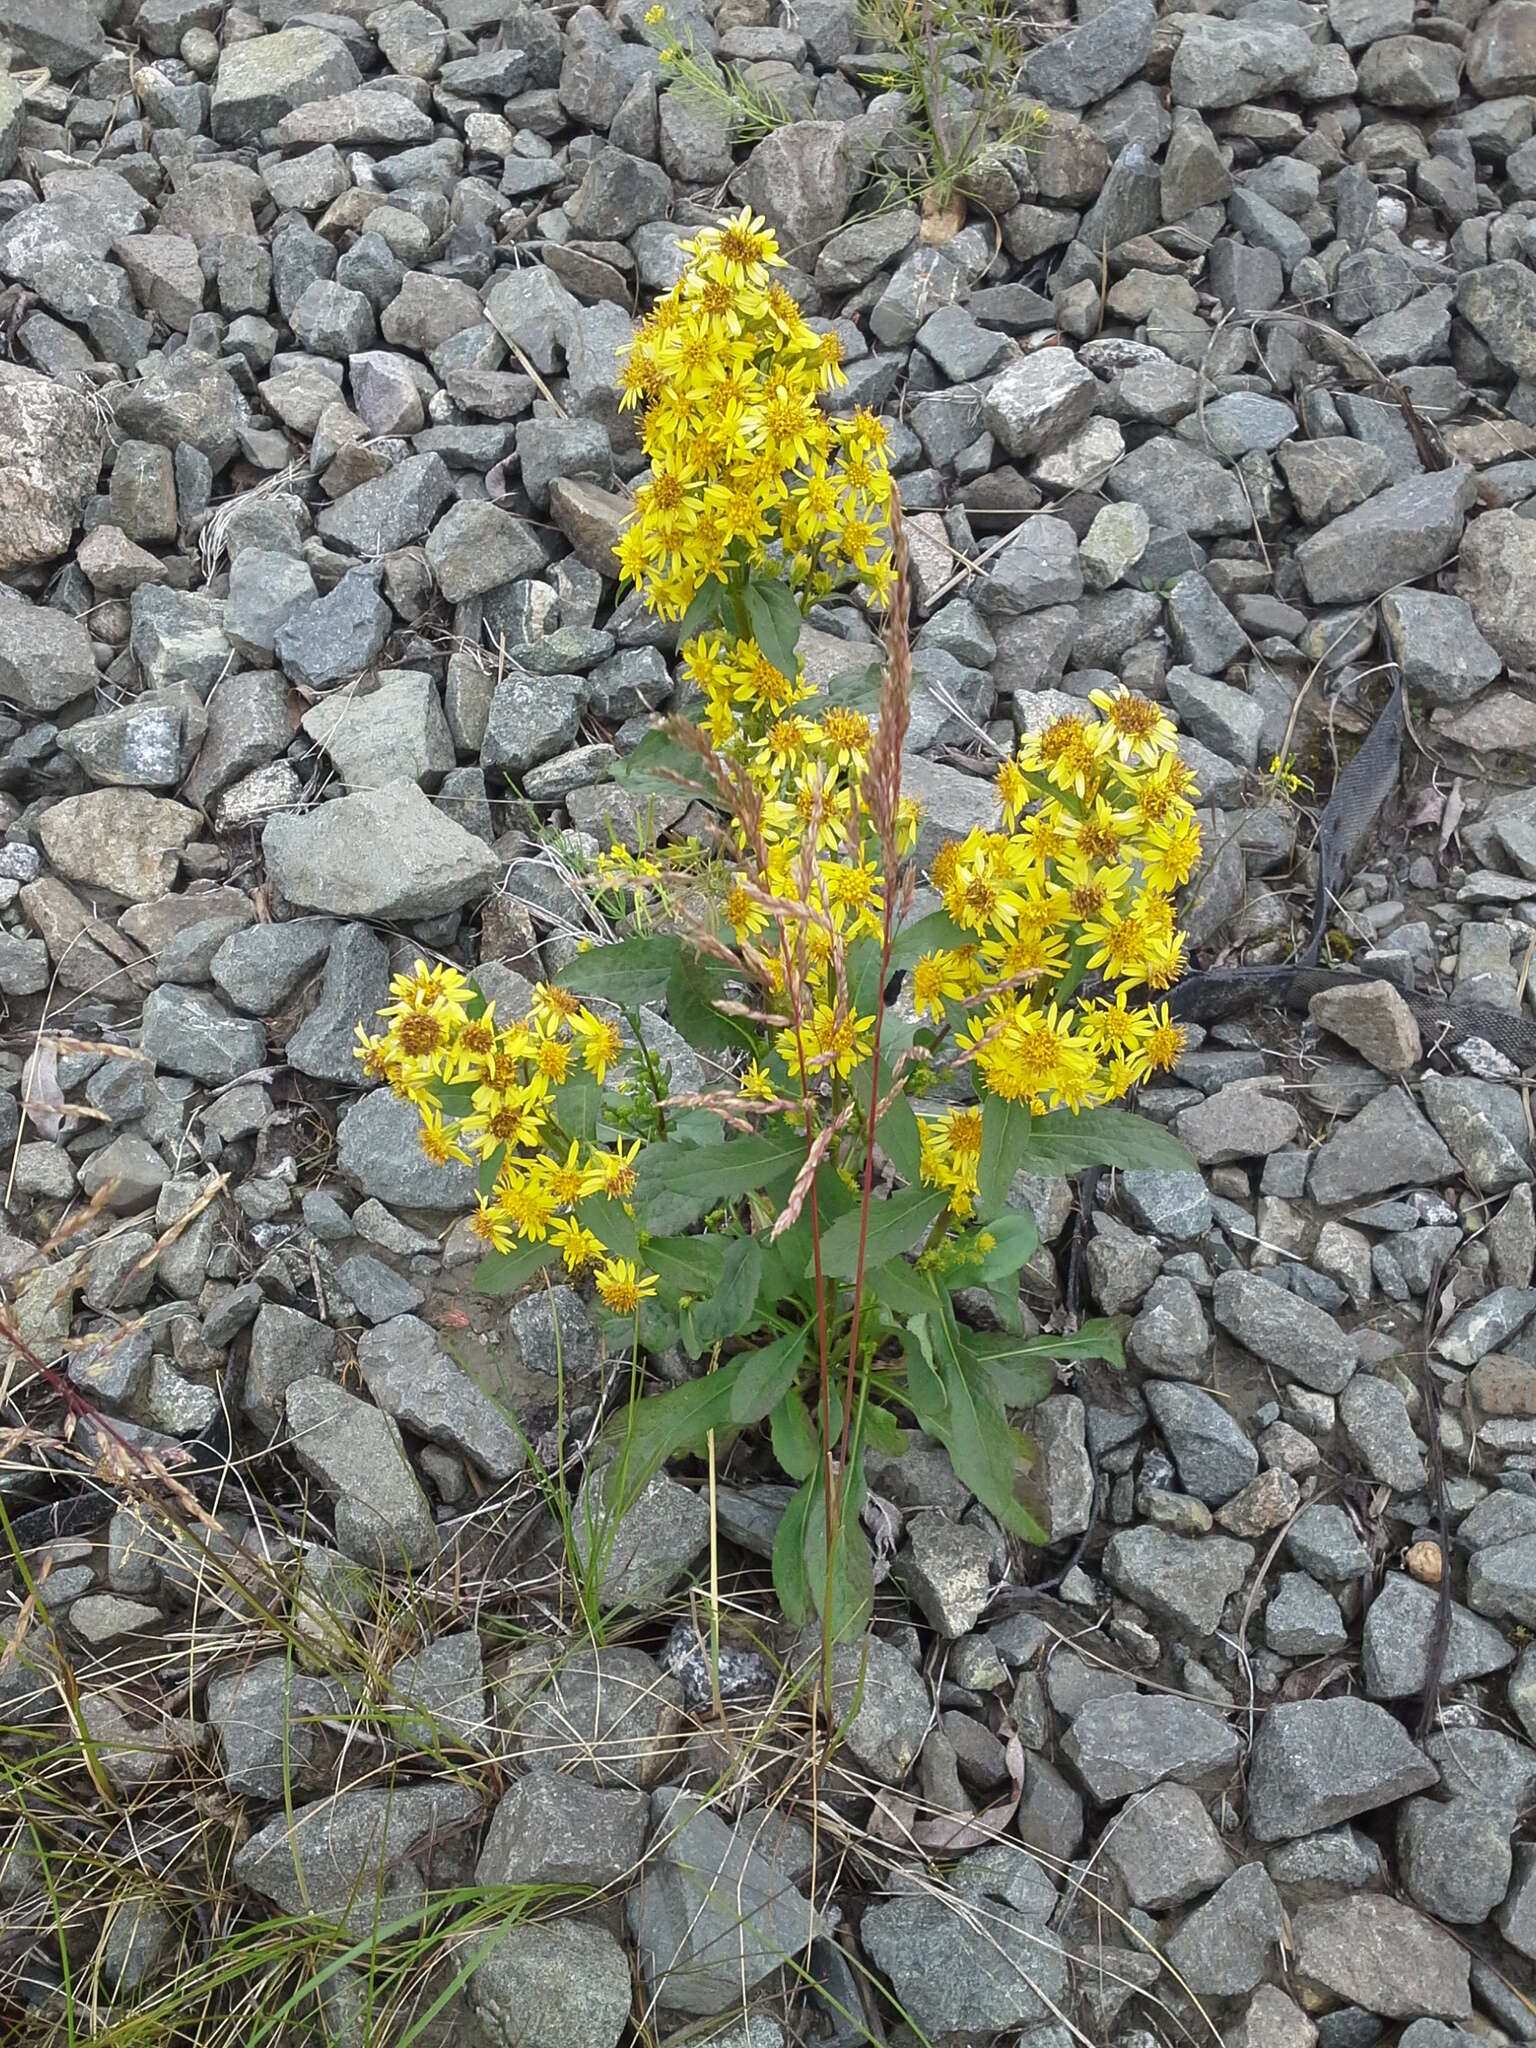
(721, 92)
(889, 1067)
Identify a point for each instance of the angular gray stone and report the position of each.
(1185, 1580)
(1388, 1144)
(50, 458)
(643, 1553)
(354, 990)
(185, 1031)
(1454, 1858)
(1285, 1330)
(556, 1830)
(45, 656)
(1376, 1953)
(1128, 1742)
(952, 1981)
(336, 637)
(607, 1716)
(1302, 1620)
(1039, 400)
(1375, 1419)
(1331, 476)
(1214, 1457)
(382, 853)
(801, 179)
(355, 1452)
(390, 511)
(265, 1717)
(552, 1984)
(1244, 1120)
(1166, 1848)
(1501, 1581)
(261, 80)
(285, 1345)
(1405, 532)
(1095, 57)
(1224, 63)
(379, 1150)
(532, 718)
(1227, 1946)
(1181, 487)
(716, 1909)
(393, 732)
(358, 1854)
(1317, 1762)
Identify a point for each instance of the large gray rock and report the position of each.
(1227, 1946)
(354, 1451)
(1039, 399)
(552, 1984)
(1285, 1330)
(356, 1856)
(1181, 487)
(1213, 1455)
(800, 179)
(1223, 63)
(1405, 532)
(45, 655)
(1494, 575)
(1454, 1858)
(390, 511)
(412, 1378)
(607, 1716)
(1181, 1579)
(1092, 59)
(1317, 1762)
(1166, 1848)
(266, 77)
(381, 853)
(379, 1150)
(186, 1031)
(1501, 1581)
(1436, 643)
(556, 1830)
(332, 639)
(122, 840)
(1388, 1144)
(50, 458)
(1399, 1630)
(1377, 1953)
(717, 1907)
(265, 1715)
(966, 1975)
(395, 733)
(63, 35)
(1127, 1742)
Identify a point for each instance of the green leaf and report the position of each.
(895, 1226)
(732, 1306)
(857, 689)
(705, 1174)
(578, 1106)
(704, 611)
(1062, 1142)
(453, 1099)
(794, 1437)
(638, 1439)
(630, 973)
(1020, 1373)
(505, 1272)
(789, 1579)
(925, 1390)
(883, 1433)
(485, 1179)
(685, 1265)
(1017, 1242)
(765, 1377)
(842, 1586)
(1005, 1131)
(610, 1222)
(901, 1140)
(935, 933)
(662, 765)
(975, 1430)
(900, 1288)
(694, 987)
(775, 619)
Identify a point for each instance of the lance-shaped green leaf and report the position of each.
(765, 1376)
(895, 1226)
(506, 1272)
(1061, 1142)
(630, 973)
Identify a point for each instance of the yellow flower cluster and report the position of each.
(742, 457)
(1097, 830)
(444, 1050)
